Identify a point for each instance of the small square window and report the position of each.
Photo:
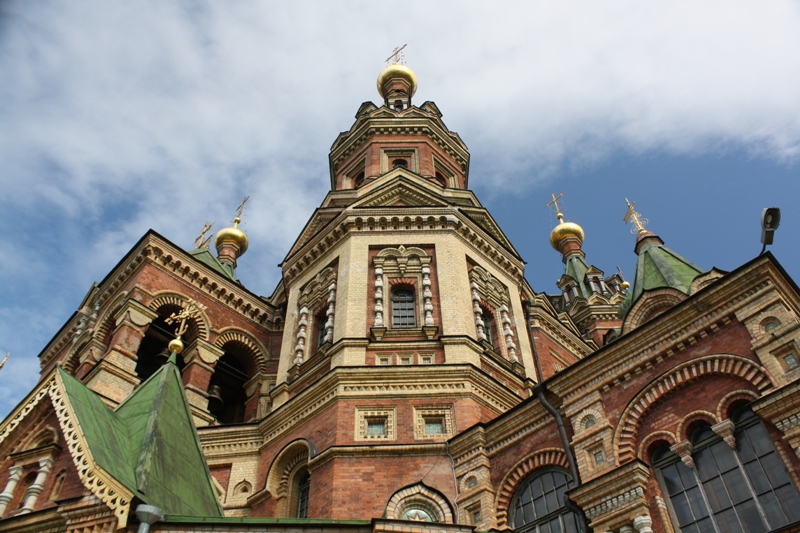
(376, 427)
(599, 458)
(791, 361)
(383, 360)
(476, 516)
(405, 360)
(426, 359)
(434, 426)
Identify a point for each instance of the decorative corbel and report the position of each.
(725, 430)
(684, 451)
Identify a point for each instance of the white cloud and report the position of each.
(121, 117)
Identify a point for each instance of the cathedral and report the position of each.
(404, 377)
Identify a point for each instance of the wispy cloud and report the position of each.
(122, 117)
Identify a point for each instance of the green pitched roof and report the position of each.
(658, 267)
(148, 443)
(576, 269)
(205, 256)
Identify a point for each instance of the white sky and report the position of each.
(120, 117)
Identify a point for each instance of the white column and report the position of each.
(427, 296)
(509, 333)
(14, 473)
(476, 308)
(302, 331)
(378, 297)
(36, 487)
(330, 312)
(643, 524)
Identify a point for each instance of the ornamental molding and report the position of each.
(625, 436)
(257, 349)
(414, 219)
(94, 478)
(633, 496)
(518, 473)
(656, 341)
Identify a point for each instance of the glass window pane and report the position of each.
(744, 447)
(688, 478)
(529, 514)
(724, 457)
(672, 479)
(790, 502)
(757, 477)
(727, 522)
(750, 519)
(772, 508)
(776, 472)
(682, 510)
(541, 507)
(760, 439)
(737, 486)
(704, 462)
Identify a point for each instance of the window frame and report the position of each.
(560, 512)
(409, 311)
(706, 441)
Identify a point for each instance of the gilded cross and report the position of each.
(396, 56)
(240, 209)
(554, 202)
(192, 310)
(635, 218)
(201, 241)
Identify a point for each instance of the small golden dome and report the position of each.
(234, 235)
(564, 230)
(397, 71)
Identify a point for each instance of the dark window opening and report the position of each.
(399, 163)
(398, 105)
(359, 179)
(488, 327)
(320, 321)
(303, 490)
(153, 351)
(440, 179)
(226, 395)
(403, 309)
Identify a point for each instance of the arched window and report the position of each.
(488, 327)
(538, 505)
(404, 309)
(153, 350)
(399, 163)
(742, 489)
(226, 394)
(303, 489)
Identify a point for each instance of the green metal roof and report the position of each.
(658, 267)
(149, 443)
(205, 256)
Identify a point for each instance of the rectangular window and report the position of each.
(791, 361)
(376, 427)
(405, 360)
(434, 426)
(426, 359)
(383, 360)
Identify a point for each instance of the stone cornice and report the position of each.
(698, 317)
(225, 442)
(427, 125)
(441, 381)
(316, 250)
(375, 450)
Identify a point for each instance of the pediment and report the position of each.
(399, 190)
(483, 219)
(318, 220)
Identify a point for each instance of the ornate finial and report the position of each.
(638, 221)
(201, 241)
(554, 202)
(397, 56)
(240, 209)
(625, 285)
(192, 310)
(4, 360)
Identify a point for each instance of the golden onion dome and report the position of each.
(564, 230)
(234, 235)
(397, 70)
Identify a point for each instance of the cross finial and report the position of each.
(201, 241)
(554, 202)
(192, 310)
(240, 209)
(635, 218)
(5, 359)
(397, 56)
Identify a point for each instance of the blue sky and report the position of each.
(120, 117)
